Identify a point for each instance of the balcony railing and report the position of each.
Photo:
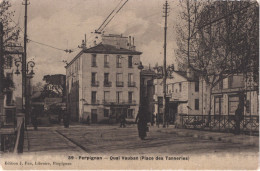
(95, 83)
(120, 84)
(121, 102)
(106, 64)
(107, 83)
(131, 84)
(93, 102)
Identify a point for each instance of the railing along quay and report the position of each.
(221, 123)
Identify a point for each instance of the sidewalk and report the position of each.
(207, 135)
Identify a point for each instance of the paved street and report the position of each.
(103, 139)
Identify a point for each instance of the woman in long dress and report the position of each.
(141, 120)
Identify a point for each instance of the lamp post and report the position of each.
(29, 74)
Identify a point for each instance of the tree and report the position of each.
(55, 86)
(221, 39)
(9, 36)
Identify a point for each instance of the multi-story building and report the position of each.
(182, 95)
(225, 96)
(103, 82)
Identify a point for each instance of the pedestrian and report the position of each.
(152, 122)
(88, 120)
(157, 120)
(141, 120)
(66, 119)
(34, 118)
(122, 121)
(239, 114)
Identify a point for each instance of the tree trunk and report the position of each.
(208, 103)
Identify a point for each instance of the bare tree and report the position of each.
(221, 39)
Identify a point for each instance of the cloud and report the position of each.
(63, 30)
(153, 52)
(128, 23)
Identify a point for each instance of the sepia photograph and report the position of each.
(129, 84)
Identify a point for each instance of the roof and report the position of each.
(184, 74)
(110, 49)
(103, 49)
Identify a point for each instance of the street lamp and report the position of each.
(30, 65)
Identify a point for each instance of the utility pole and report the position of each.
(165, 7)
(1, 58)
(24, 68)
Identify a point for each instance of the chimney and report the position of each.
(133, 47)
(95, 42)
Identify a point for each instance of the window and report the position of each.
(106, 112)
(94, 81)
(179, 87)
(118, 61)
(233, 102)
(130, 113)
(130, 96)
(107, 83)
(131, 82)
(130, 61)
(94, 60)
(219, 105)
(197, 86)
(93, 97)
(106, 61)
(197, 104)
(119, 80)
(119, 96)
(235, 81)
(106, 96)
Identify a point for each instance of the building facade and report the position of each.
(182, 93)
(225, 96)
(103, 82)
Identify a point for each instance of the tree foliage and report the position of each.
(55, 85)
(11, 31)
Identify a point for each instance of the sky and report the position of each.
(63, 23)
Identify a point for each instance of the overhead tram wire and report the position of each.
(114, 16)
(109, 16)
(65, 50)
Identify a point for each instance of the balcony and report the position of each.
(119, 65)
(119, 102)
(131, 84)
(94, 102)
(95, 83)
(106, 64)
(131, 101)
(107, 83)
(120, 84)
